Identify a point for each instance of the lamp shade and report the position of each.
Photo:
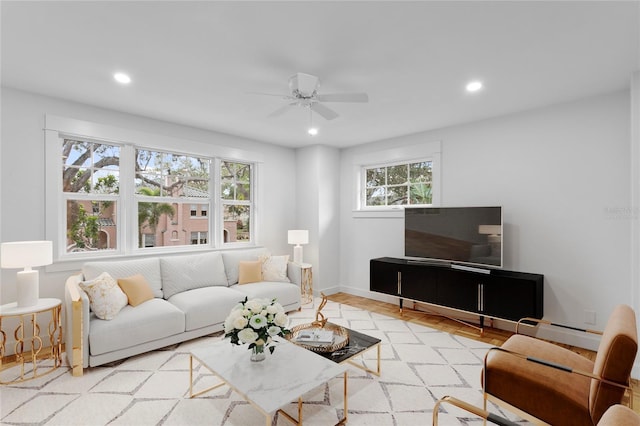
(23, 254)
(298, 236)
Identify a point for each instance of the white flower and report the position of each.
(240, 322)
(260, 342)
(274, 330)
(258, 321)
(246, 312)
(254, 306)
(272, 309)
(247, 335)
(281, 319)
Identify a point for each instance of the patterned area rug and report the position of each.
(419, 365)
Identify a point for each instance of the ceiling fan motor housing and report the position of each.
(304, 85)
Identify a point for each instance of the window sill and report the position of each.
(392, 213)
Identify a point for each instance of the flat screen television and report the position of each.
(465, 235)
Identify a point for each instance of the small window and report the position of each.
(193, 211)
(398, 184)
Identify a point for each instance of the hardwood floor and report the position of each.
(491, 336)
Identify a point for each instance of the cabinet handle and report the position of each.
(481, 297)
(399, 282)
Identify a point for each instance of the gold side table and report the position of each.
(306, 284)
(31, 339)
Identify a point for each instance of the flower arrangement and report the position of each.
(256, 322)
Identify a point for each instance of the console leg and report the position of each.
(401, 305)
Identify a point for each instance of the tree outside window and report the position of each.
(399, 184)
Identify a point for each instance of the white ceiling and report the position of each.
(194, 63)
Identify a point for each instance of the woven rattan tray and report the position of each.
(340, 337)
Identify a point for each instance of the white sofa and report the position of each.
(193, 294)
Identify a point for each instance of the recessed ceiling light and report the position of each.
(313, 131)
(474, 86)
(121, 77)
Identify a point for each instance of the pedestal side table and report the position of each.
(306, 284)
(28, 342)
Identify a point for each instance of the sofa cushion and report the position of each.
(285, 293)
(105, 296)
(182, 273)
(206, 306)
(150, 268)
(136, 288)
(152, 320)
(249, 271)
(232, 260)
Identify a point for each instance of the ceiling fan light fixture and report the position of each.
(313, 131)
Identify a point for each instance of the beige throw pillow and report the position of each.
(250, 271)
(106, 298)
(136, 288)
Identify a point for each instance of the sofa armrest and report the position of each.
(294, 273)
(77, 325)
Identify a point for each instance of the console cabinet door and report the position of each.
(419, 283)
(512, 298)
(384, 277)
(458, 289)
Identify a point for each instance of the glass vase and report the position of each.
(257, 353)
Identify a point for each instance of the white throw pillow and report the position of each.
(274, 268)
(106, 298)
(182, 273)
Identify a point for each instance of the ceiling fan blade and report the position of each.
(343, 97)
(286, 97)
(281, 110)
(327, 113)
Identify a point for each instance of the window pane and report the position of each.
(376, 177)
(235, 181)
(90, 167)
(91, 225)
(164, 224)
(236, 220)
(376, 196)
(172, 175)
(421, 194)
(397, 175)
(396, 195)
(420, 172)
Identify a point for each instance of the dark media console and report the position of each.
(493, 293)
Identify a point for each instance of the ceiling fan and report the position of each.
(304, 93)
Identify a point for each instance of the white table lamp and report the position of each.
(26, 254)
(297, 237)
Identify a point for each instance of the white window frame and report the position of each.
(363, 179)
(428, 151)
(59, 128)
(251, 203)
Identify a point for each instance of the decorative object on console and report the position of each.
(248, 323)
(297, 237)
(27, 254)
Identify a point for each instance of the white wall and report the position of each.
(22, 167)
(318, 183)
(562, 175)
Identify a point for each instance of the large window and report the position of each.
(108, 195)
(398, 184)
(235, 193)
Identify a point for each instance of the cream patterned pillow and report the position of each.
(274, 268)
(105, 296)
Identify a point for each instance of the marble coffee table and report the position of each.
(283, 377)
